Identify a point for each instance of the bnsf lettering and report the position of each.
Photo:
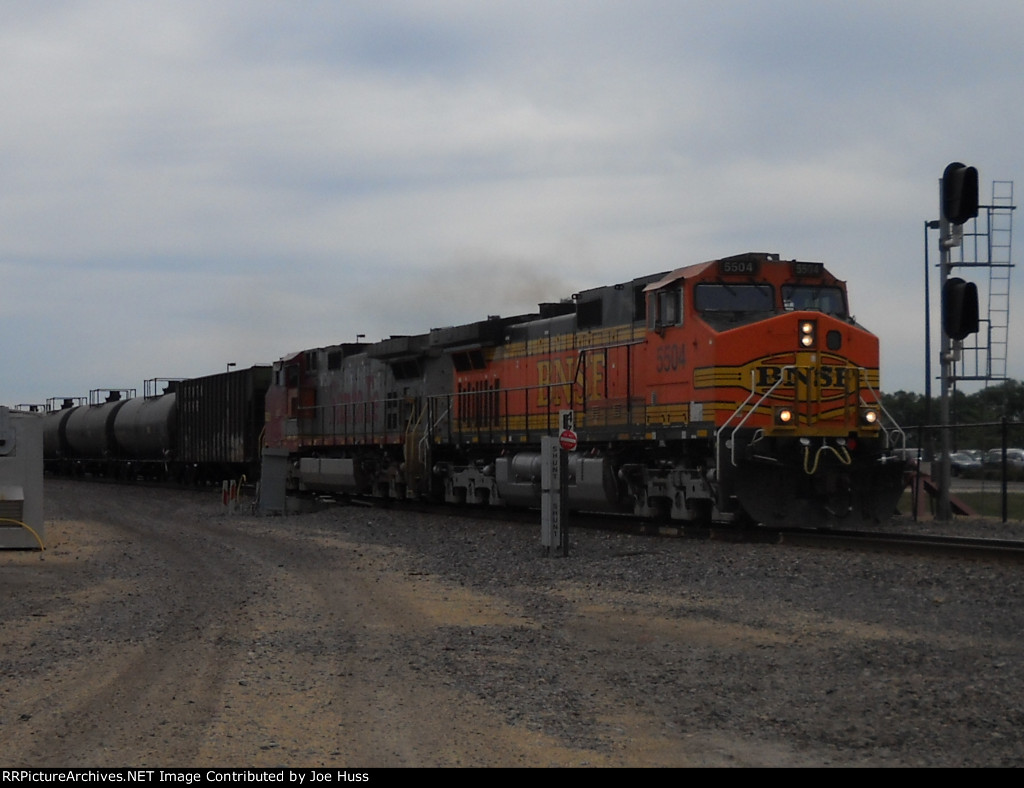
(554, 376)
(822, 377)
(557, 377)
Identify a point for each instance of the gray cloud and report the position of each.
(187, 184)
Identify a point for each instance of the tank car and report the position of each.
(732, 390)
(197, 430)
(80, 438)
(58, 409)
(144, 427)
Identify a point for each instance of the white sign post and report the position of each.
(555, 483)
(551, 510)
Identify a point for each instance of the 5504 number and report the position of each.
(670, 358)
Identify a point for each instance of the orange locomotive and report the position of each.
(737, 389)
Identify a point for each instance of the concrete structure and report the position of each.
(21, 479)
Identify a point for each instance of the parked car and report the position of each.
(963, 464)
(1014, 458)
(1014, 464)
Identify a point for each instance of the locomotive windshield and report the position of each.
(734, 298)
(814, 298)
(740, 299)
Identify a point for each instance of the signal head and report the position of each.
(959, 193)
(959, 308)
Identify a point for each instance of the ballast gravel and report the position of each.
(156, 629)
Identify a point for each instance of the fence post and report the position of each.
(1004, 437)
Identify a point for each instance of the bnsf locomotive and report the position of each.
(735, 389)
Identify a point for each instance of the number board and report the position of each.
(740, 267)
(808, 269)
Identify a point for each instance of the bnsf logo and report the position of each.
(819, 377)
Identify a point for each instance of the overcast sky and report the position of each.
(190, 183)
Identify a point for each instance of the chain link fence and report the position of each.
(986, 468)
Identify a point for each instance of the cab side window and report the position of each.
(666, 309)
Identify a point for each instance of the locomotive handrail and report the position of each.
(862, 382)
(428, 435)
(342, 420)
(878, 401)
(750, 396)
(753, 393)
(625, 343)
(498, 422)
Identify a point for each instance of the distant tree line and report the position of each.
(986, 408)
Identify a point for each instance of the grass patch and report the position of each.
(986, 504)
(990, 504)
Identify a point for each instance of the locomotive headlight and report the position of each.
(783, 416)
(869, 417)
(808, 333)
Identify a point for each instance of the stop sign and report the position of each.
(567, 440)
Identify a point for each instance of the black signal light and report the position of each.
(959, 193)
(959, 308)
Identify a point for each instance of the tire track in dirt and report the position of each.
(151, 645)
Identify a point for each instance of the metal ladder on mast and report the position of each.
(1000, 238)
(988, 244)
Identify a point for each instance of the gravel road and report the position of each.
(157, 631)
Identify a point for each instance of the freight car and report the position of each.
(732, 390)
(192, 431)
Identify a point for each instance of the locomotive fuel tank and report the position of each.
(591, 487)
(331, 475)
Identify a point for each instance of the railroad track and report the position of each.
(916, 544)
(893, 542)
